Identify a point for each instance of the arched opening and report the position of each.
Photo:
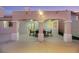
(51, 28)
(48, 28)
(33, 27)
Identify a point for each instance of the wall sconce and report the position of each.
(40, 12)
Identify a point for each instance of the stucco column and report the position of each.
(14, 31)
(15, 35)
(27, 32)
(55, 29)
(40, 34)
(67, 31)
(18, 22)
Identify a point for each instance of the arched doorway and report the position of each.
(48, 28)
(28, 30)
(51, 29)
(33, 27)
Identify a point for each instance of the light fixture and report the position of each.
(40, 12)
(31, 19)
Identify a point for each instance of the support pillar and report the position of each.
(67, 31)
(41, 34)
(55, 29)
(17, 29)
(15, 33)
(27, 32)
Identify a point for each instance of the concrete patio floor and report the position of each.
(33, 46)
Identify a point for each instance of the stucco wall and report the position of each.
(5, 33)
(1, 13)
(14, 27)
(1, 24)
(61, 26)
(75, 26)
(23, 33)
(20, 15)
(58, 15)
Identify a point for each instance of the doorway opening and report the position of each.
(33, 27)
(50, 28)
